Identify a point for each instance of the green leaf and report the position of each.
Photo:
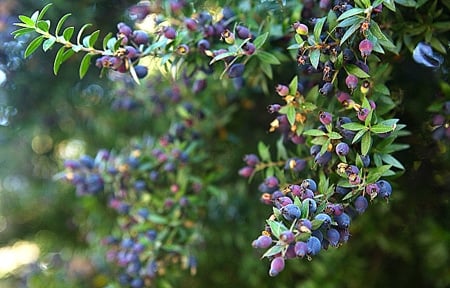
(331, 20)
(58, 60)
(33, 46)
(318, 29)
(89, 41)
(350, 13)
(48, 43)
(263, 151)
(69, 53)
(380, 128)
(281, 150)
(334, 135)
(43, 11)
(267, 69)
(353, 126)
(273, 251)
(350, 21)
(22, 31)
(358, 136)
(384, 41)
(388, 159)
(68, 32)
(260, 40)
(355, 70)
(314, 57)
(267, 57)
(105, 40)
(276, 227)
(43, 25)
(84, 65)
(314, 132)
(293, 86)
(366, 143)
(291, 114)
(305, 209)
(406, 3)
(436, 44)
(315, 224)
(376, 173)
(221, 56)
(80, 33)
(355, 27)
(61, 23)
(27, 20)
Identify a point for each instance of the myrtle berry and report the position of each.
(348, 55)
(242, 32)
(385, 188)
(325, 218)
(291, 212)
(326, 89)
(278, 194)
(365, 47)
(310, 184)
(325, 4)
(246, 171)
(301, 249)
(236, 70)
(343, 220)
(283, 201)
(361, 204)
(183, 49)
(333, 237)
(169, 32)
(287, 236)
(351, 81)
(295, 164)
(314, 246)
(262, 241)
(141, 71)
(300, 28)
(191, 24)
(311, 204)
(282, 90)
(342, 149)
(251, 159)
(363, 113)
(227, 36)
(203, 45)
(314, 150)
(365, 159)
(87, 161)
(273, 108)
(323, 159)
(296, 190)
(276, 266)
(424, 54)
(304, 224)
(249, 48)
(354, 179)
(124, 29)
(140, 37)
(131, 52)
(271, 181)
(325, 118)
(307, 194)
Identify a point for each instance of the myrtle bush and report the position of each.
(190, 67)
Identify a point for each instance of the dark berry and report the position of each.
(342, 220)
(141, 71)
(314, 246)
(309, 184)
(291, 212)
(242, 32)
(361, 204)
(140, 37)
(169, 32)
(236, 70)
(342, 149)
(385, 188)
(333, 237)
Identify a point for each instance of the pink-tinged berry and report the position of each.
(263, 242)
(169, 32)
(190, 24)
(342, 96)
(301, 249)
(276, 266)
(251, 159)
(282, 90)
(325, 118)
(351, 81)
(287, 236)
(140, 37)
(246, 171)
(365, 47)
(300, 28)
(363, 113)
(249, 48)
(124, 29)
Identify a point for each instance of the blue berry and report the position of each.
(385, 188)
(333, 236)
(311, 204)
(361, 204)
(342, 149)
(325, 218)
(314, 245)
(251, 159)
(310, 184)
(343, 220)
(291, 212)
(236, 70)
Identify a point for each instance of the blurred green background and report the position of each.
(405, 242)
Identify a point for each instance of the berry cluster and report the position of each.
(337, 117)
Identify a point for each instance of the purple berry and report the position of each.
(342, 149)
(246, 171)
(325, 118)
(249, 48)
(251, 159)
(271, 182)
(242, 32)
(191, 24)
(363, 113)
(343, 220)
(365, 47)
(351, 81)
(333, 237)
(276, 266)
(282, 90)
(169, 32)
(262, 241)
(140, 37)
(301, 249)
(361, 204)
(287, 236)
(236, 70)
